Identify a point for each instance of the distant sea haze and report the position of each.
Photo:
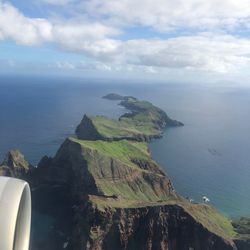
(209, 156)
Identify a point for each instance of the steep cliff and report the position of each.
(149, 226)
(121, 169)
(121, 199)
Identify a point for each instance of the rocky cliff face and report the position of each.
(164, 227)
(95, 168)
(15, 165)
(86, 130)
(113, 200)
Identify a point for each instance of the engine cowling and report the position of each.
(15, 214)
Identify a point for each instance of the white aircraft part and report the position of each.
(15, 214)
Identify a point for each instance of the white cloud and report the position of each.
(100, 66)
(210, 52)
(32, 31)
(15, 26)
(167, 15)
(64, 65)
(81, 66)
(57, 2)
(204, 52)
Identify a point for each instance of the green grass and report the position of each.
(213, 220)
(137, 104)
(141, 123)
(103, 203)
(141, 191)
(122, 150)
(115, 172)
(127, 127)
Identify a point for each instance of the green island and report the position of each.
(117, 196)
(143, 123)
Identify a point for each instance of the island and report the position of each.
(102, 190)
(143, 122)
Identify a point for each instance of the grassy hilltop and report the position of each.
(125, 170)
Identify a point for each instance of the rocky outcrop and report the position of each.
(15, 165)
(86, 130)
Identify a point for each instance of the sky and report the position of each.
(171, 40)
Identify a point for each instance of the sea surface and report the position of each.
(209, 156)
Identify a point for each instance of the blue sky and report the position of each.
(181, 40)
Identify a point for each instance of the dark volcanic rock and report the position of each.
(153, 228)
(15, 165)
(242, 244)
(86, 130)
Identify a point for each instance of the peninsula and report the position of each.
(103, 190)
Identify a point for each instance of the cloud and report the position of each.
(167, 15)
(206, 52)
(100, 66)
(199, 51)
(34, 31)
(64, 65)
(57, 2)
(15, 26)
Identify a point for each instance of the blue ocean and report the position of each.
(209, 156)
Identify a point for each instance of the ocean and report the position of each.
(209, 156)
